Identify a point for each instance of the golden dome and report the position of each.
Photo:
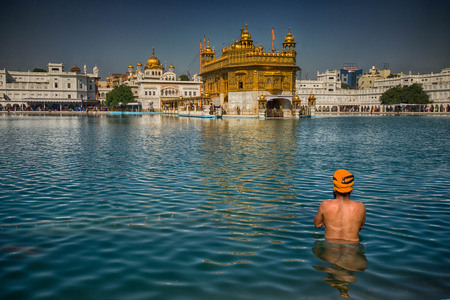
(289, 37)
(139, 64)
(171, 66)
(296, 97)
(245, 35)
(208, 48)
(153, 62)
(311, 97)
(130, 66)
(75, 69)
(262, 97)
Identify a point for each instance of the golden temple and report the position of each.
(247, 78)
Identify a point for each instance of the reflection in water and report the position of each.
(345, 259)
(246, 168)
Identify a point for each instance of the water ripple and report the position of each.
(153, 207)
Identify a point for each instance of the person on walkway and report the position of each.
(343, 218)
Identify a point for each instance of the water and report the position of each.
(159, 207)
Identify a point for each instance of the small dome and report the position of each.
(75, 69)
(208, 48)
(246, 38)
(245, 35)
(289, 37)
(139, 64)
(130, 66)
(296, 97)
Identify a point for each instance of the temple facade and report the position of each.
(156, 87)
(248, 79)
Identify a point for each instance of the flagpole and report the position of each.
(273, 39)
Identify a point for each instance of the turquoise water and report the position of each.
(160, 207)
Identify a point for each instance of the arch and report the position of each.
(279, 103)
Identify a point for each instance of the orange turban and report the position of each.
(343, 181)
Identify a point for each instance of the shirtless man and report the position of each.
(343, 218)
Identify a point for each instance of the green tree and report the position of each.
(345, 86)
(412, 94)
(184, 78)
(120, 95)
(39, 70)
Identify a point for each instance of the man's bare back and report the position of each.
(343, 218)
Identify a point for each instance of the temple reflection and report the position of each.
(345, 260)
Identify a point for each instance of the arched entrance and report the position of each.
(276, 107)
(279, 103)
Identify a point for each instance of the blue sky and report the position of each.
(408, 35)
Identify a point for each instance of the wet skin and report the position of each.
(343, 219)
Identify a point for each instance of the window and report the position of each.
(68, 85)
(90, 86)
(69, 96)
(81, 85)
(241, 84)
(56, 84)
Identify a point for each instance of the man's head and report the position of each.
(343, 181)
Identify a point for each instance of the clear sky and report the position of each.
(411, 35)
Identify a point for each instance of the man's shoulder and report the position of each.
(328, 203)
(359, 205)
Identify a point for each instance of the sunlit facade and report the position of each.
(330, 97)
(157, 88)
(237, 79)
(55, 88)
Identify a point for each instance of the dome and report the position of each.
(130, 66)
(153, 62)
(262, 97)
(245, 35)
(289, 37)
(75, 69)
(208, 48)
(139, 64)
(246, 38)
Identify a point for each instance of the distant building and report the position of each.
(436, 85)
(154, 87)
(327, 91)
(368, 80)
(115, 79)
(330, 97)
(350, 75)
(55, 88)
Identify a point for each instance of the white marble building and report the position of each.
(331, 97)
(152, 84)
(52, 88)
